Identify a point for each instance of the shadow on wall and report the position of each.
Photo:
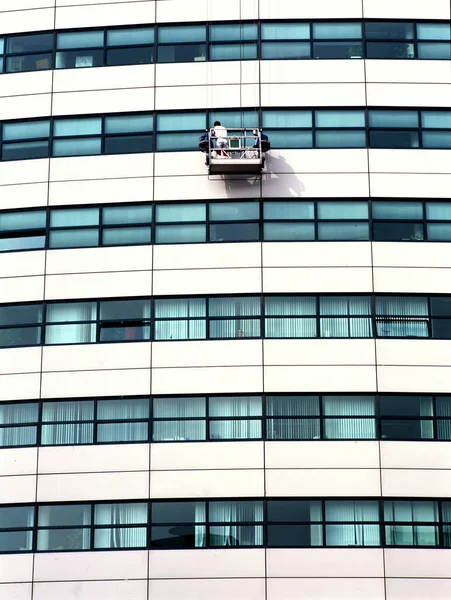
(278, 180)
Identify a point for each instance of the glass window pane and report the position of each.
(332, 31)
(397, 210)
(191, 121)
(178, 512)
(436, 139)
(121, 310)
(234, 232)
(25, 314)
(75, 59)
(398, 231)
(140, 55)
(74, 217)
(79, 39)
(25, 150)
(389, 31)
(343, 231)
(74, 238)
(340, 139)
(16, 516)
(439, 119)
(129, 124)
(290, 139)
(285, 31)
(64, 515)
(438, 211)
(15, 221)
(393, 118)
(128, 144)
(82, 147)
(394, 139)
(340, 118)
(173, 213)
(281, 50)
(127, 215)
(397, 50)
(182, 33)
(433, 31)
(13, 541)
(180, 234)
(337, 50)
(287, 118)
(235, 118)
(76, 127)
(30, 43)
(235, 406)
(233, 32)
(124, 236)
(234, 211)
(26, 130)
(342, 210)
(434, 51)
(439, 232)
(20, 336)
(288, 231)
(233, 51)
(130, 37)
(280, 210)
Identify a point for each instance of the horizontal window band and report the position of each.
(271, 417)
(226, 523)
(287, 128)
(195, 222)
(225, 41)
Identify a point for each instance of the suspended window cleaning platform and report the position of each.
(241, 152)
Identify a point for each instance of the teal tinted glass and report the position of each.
(173, 213)
(287, 118)
(181, 122)
(438, 119)
(129, 124)
(234, 211)
(438, 211)
(433, 31)
(342, 210)
(397, 210)
(125, 215)
(74, 217)
(340, 118)
(14, 221)
(235, 118)
(289, 210)
(233, 32)
(130, 37)
(333, 31)
(399, 119)
(182, 34)
(79, 39)
(26, 130)
(285, 31)
(75, 127)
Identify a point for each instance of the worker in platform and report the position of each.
(266, 144)
(219, 133)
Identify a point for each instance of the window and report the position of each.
(234, 317)
(345, 316)
(120, 525)
(182, 43)
(285, 40)
(18, 424)
(124, 320)
(178, 525)
(407, 417)
(402, 317)
(20, 325)
(22, 230)
(71, 323)
(67, 423)
(79, 49)
(16, 533)
(233, 41)
(411, 523)
(29, 52)
(64, 527)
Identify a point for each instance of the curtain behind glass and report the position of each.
(122, 410)
(403, 313)
(117, 515)
(180, 410)
(295, 310)
(11, 414)
(236, 512)
(292, 428)
(180, 319)
(352, 406)
(67, 433)
(348, 316)
(360, 532)
(443, 409)
(68, 332)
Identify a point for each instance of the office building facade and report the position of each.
(225, 386)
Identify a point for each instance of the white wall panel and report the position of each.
(93, 486)
(97, 260)
(412, 281)
(219, 589)
(92, 357)
(318, 160)
(19, 264)
(10, 5)
(317, 254)
(95, 285)
(17, 21)
(401, 185)
(101, 167)
(322, 562)
(207, 73)
(223, 483)
(415, 455)
(22, 289)
(16, 591)
(207, 380)
(211, 96)
(418, 589)
(201, 188)
(417, 562)
(17, 489)
(323, 482)
(322, 455)
(23, 171)
(203, 353)
(411, 380)
(23, 196)
(394, 254)
(204, 455)
(91, 590)
(320, 379)
(18, 461)
(409, 94)
(321, 9)
(302, 280)
(18, 84)
(138, 189)
(326, 589)
(407, 71)
(312, 94)
(416, 483)
(192, 564)
(20, 360)
(207, 281)
(413, 352)
(213, 256)
(15, 567)
(312, 71)
(100, 14)
(76, 384)
(412, 9)
(319, 352)
(25, 107)
(409, 161)
(92, 459)
(86, 566)
(20, 387)
(105, 101)
(327, 185)
(99, 78)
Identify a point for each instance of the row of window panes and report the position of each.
(225, 523)
(196, 318)
(231, 41)
(287, 128)
(195, 418)
(246, 221)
